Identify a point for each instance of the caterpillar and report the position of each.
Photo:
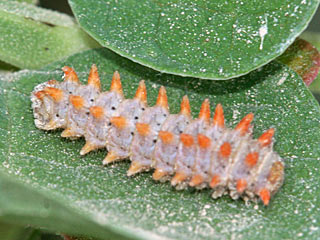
(200, 153)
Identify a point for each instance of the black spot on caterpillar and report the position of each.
(189, 152)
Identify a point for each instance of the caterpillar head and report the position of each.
(47, 104)
(50, 100)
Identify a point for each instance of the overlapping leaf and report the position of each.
(45, 182)
(304, 59)
(207, 39)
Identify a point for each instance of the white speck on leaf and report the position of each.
(263, 30)
(282, 79)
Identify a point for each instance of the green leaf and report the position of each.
(303, 58)
(32, 37)
(44, 181)
(206, 39)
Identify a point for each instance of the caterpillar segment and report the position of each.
(98, 124)
(146, 134)
(199, 153)
(123, 126)
(187, 147)
(168, 140)
(206, 143)
(81, 101)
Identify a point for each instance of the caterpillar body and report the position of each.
(199, 152)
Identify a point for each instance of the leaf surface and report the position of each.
(32, 37)
(206, 39)
(45, 182)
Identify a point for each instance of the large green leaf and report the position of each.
(207, 39)
(32, 37)
(44, 181)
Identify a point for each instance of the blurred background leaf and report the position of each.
(314, 38)
(303, 58)
(32, 37)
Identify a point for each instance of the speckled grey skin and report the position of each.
(238, 169)
(97, 128)
(142, 147)
(119, 140)
(221, 166)
(185, 158)
(77, 118)
(165, 154)
(203, 156)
